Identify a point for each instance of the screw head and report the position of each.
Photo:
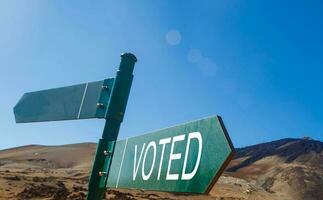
(102, 173)
(107, 153)
(105, 87)
(100, 105)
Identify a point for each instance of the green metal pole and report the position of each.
(115, 112)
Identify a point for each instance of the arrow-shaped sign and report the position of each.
(83, 101)
(185, 158)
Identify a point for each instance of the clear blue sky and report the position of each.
(255, 63)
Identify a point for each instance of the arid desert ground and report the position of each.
(287, 169)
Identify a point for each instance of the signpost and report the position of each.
(103, 99)
(184, 158)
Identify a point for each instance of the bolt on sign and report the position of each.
(184, 158)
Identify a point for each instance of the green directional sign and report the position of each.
(184, 158)
(82, 101)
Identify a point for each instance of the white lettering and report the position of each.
(198, 136)
(162, 142)
(135, 168)
(153, 145)
(173, 156)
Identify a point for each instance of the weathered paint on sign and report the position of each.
(83, 101)
(184, 158)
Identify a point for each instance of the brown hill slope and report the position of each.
(283, 169)
(74, 156)
(288, 168)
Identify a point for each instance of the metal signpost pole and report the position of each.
(114, 116)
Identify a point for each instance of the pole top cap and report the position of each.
(129, 56)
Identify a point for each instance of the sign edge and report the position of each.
(227, 161)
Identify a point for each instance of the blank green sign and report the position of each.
(184, 158)
(88, 100)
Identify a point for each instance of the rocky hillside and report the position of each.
(287, 168)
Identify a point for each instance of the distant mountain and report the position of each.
(286, 169)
